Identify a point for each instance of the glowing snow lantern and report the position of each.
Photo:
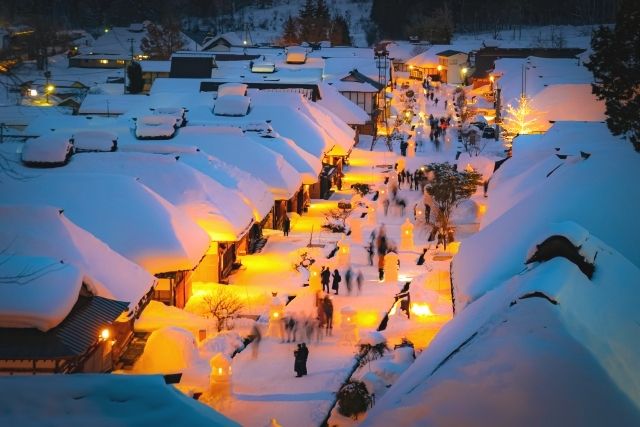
(421, 310)
(371, 216)
(344, 253)
(356, 229)
(314, 278)
(401, 164)
(220, 377)
(391, 268)
(411, 149)
(348, 324)
(406, 237)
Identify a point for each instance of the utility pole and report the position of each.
(130, 40)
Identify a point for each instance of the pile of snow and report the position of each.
(371, 338)
(157, 315)
(482, 164)
(232, 105)
(36, 292)
(226, 343)
(571, 352)
(45, 231)
(169, 350)
(126, 215)
(95, 140)
(225, 89)
(545, 191)
(96, 399)
(47, 151)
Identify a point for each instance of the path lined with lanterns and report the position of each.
(263, 385)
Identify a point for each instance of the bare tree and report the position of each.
(223, 304)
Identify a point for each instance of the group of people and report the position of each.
(438, 127)
(417, 180)
(380, 244)
(326, 278)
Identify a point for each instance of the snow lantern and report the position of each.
(391, 268)
(220, 368)
(220, 377)
(401, 164)
(348, 324)
(411, 149)
(406, 237)
(344, 253)
(276, 309)
(314, 278)
(371, 216)
(356, 229)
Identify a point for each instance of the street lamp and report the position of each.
(464, 72)
(48, 89)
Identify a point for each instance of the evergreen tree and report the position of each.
(448, 188)
(290, 32)
(615, 64)
(322, 21)
(162, 40)
(339, 34)
(134, 74)
(306, 24)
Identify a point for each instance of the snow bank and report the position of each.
(36, 292)
(106, 400)
(157, 315)
(128, 216)
(45, 231)
(550, 190)
(47, 151)
(177, 113)
(226, 343)
(95, 140)
(570, 354)
(169, 350)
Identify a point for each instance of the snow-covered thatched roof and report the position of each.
(47, 151)
(232, 146)
(122, 212)
(122, 400)
(45, 231)
(36, 292)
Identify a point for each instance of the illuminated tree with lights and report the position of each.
(522, 118)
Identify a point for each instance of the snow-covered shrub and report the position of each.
(361, 188)
(169, 350)
(353, 399)
(371, 346)
(304, 261)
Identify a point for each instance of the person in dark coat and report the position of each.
(336, 281)
(300, 355)
(347, 279)
(325, 277)
(359, 280)
(286, 226)
(328, 313)
(427, 213)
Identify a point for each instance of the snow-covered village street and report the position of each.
(292, 213)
